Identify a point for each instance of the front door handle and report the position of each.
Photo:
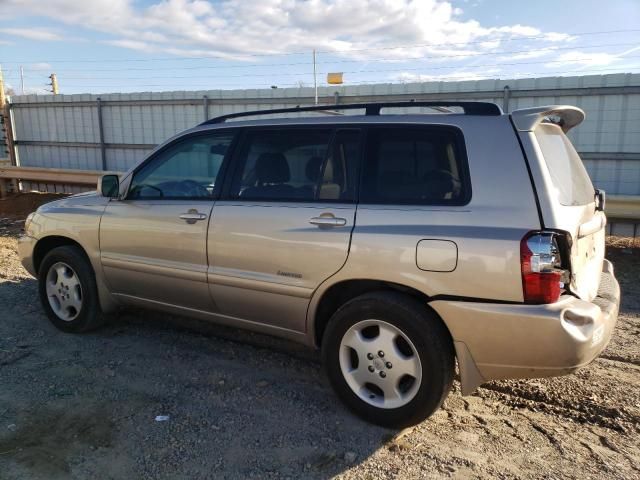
(192, 216)
(328, 221)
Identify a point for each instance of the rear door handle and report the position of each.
(192, 216)
(328, 221)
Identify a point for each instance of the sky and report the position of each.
(98, 46)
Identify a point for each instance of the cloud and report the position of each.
(12, 89)
(526, 55)
(526, 31)
(131, 44)
(559, 37)
(238, 29)
(408, 77)
(38, 66)
(591, 59)
(32, 34)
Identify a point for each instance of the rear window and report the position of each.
(415, 165)
(567, 171)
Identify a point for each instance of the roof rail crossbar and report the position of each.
(469, 108)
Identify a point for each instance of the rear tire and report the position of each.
(68, 291)
(389, 358)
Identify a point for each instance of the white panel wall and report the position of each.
(612, 125)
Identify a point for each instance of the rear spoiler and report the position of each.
(565, 116)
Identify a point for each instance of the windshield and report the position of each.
(567, 171)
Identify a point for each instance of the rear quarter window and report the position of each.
(569, 177)
(415, 165)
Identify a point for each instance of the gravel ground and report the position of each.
(241, 405)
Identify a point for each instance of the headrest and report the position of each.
(272, 167)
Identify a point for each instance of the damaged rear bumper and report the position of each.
(500, 341)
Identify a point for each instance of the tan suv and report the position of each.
(396, 243)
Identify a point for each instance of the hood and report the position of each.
(91, 193)
(80, 199)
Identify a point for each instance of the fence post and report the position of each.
(9, 185)
(103, 150)
(11, 134)
(6, 120)
(506, 95)
(4, 184)
(205, 107)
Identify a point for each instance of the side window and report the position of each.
(187, 169)
(297, 165)
(422, 166)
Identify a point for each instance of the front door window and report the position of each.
(186, 170)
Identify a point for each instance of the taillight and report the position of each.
(541, 263)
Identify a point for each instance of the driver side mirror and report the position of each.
(109, 186)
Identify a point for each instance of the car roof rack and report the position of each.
(371, 109)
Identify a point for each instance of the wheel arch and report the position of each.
(48, 243)
(336, 295)
(45, 244)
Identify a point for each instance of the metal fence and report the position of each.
(115, 131)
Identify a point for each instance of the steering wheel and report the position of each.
(138, 188)
(195, 189)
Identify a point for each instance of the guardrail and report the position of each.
(623, 207)
(618, 207)
(7, 185)
(10, 175)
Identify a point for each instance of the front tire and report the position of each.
(68, 291)
(389, 358)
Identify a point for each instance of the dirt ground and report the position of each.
(241, 405)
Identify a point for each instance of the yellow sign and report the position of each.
(334, 78)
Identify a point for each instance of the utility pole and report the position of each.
(315, 77)
(54, 83)
(21, 80)
(3, 99)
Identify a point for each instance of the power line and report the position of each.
(466, 55)
(474, 66)
(271, 74)
(457, 78)
(337, 52)
(514, 76)
(545, 36)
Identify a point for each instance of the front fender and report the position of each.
(79, 223)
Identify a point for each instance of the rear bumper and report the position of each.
(499, 341)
